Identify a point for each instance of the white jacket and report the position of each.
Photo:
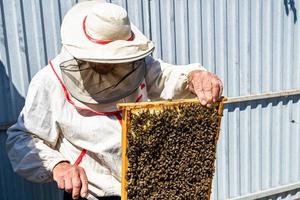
(50, 129)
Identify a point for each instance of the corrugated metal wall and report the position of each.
(253, 45)
(29, 36)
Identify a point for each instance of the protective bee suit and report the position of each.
(70, 112)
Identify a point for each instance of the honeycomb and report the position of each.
(169, 150)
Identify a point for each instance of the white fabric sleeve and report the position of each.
(166, 81)
(31, 141)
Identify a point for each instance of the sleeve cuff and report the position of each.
(55, 162)
(193, 67)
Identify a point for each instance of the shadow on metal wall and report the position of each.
(11, 101)
(13, 186)
(275, 101)
(285, 195)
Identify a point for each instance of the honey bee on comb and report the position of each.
(170, 151)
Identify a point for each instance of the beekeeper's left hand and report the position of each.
(206, 85)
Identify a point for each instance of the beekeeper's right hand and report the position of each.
(71, 178)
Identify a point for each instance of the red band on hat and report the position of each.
(101, 41)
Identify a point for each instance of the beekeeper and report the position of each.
(69, 130)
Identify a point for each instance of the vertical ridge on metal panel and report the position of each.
(181, 32)
(244, 79)
(156, 30)
(233, 116)
(194, 31)
(167, 29)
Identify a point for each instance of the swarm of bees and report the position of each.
(171, 152)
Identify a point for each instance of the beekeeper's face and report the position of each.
(102, 68)
(105, 68)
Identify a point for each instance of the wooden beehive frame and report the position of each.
(128, 108)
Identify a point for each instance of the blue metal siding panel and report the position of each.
(252, 45)
(51, 27)
(136, 13)
(181, 31)
(194, 31)
(208, 39)
(156, 29)
(34, 45)
(167, 28)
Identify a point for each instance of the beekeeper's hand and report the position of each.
(207, 86)
(71, 178)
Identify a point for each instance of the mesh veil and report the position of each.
(86, 85)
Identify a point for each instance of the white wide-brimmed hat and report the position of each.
(101, 32)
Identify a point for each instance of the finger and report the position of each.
(200, 94)
(201, 97)
(195, 85)
(221, 89)
(76, 182)
(207, 88)
(68, 182)
(198, 90)
(208, 96)
(60, 183)
(215, 90)
(84, 183)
